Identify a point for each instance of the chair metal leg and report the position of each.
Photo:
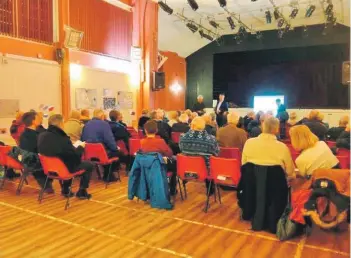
(4, 178)
(98, 171)
(69, 193)
(22, 180)
(180, 189)
(215, 192)
(108, 176)
(118, 174)
(40, 198)
(208, 197)
(219, 194)
(185, 191)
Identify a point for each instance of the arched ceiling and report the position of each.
(175, 36)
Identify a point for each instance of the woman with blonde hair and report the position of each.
(210, 126)
(173, 118)
(315, 154)
(73, 126)
(316, 125)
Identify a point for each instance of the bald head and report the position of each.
(198, 124)
(233, 118)
(270, 125)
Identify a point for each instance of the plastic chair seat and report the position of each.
(12, 163)
(54, 175)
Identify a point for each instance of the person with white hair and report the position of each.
(182, 126)
(230, 135)
(199, 106)
(163, 128)
(334, 132)
(266, 150)
(316, 125)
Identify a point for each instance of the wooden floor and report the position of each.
(110, 225)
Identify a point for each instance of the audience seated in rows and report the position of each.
(256, 129)
(153, 144)
(99, 131)
(182, 126)
(143, 119)
(29, 142)
(334, 132)
(344, 139)
(315, 154)
(173, 118)
(210, 127)
(248, 118)
(163, 129)
(73, 126)
(119, 131)
(230, 135)
(84, 116)
(56, 143)
(255, 122)
(266, 150)
(316, 125)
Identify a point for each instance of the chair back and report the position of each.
(54, 167)
(4, 150)
(344, 152)
(141, 134)
(176, 137)
(191, 168)
(134, 146)
(229, 153)
(95, 151)
(331, 144)
(133, 133)
(122, 146)
(344, 162)
(286, 141)
(225, 171)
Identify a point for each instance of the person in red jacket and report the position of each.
(153, 144)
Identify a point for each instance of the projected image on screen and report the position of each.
(267, 103)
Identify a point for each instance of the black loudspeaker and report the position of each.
(158, 81)
(346, 73)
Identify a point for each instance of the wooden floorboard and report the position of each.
(110, 225)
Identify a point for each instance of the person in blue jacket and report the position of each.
(99, 131)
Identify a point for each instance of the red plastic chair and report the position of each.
(192, 168)
(133, 133)
(343, 162)
(122, 147)
(344, 152)
(134, 146)
(141, 134)
(225, 172)
(176, 137)
(230, 153)
(54, 168)
(96, 153)
(331, 144)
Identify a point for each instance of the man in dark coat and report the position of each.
(29, 142)
(119, 131)
(334, 132)
(56, 143)
(221, 110)
(199, 106)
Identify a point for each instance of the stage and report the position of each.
(110, 225)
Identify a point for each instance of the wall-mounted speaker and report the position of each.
(346, 73)
(158, 81)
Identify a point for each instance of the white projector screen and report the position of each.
(267, 103)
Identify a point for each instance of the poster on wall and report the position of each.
(125, 99)
(86, 98)
(109, 99)
(8, 108)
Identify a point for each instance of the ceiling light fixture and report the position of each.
(287, 27)
(294, 13)
(231, 22)
(204, 35)
(222, 3)
(214, 24)
(268, 17)
(310, 10)
(193, 5)
(165, 7)
(192, 27)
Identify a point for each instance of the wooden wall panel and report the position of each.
(107, 29)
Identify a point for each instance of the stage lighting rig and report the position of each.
(281, 22)
(268, 17)
(192, 27)
(214, 24)
(204, 35)
(242, 30)
(193, 5)
(165, 7)
(294, 13)
(329, 9)
(222, 3)
(231, 22)
(310, 10)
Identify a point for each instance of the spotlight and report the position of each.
(165, 7)
(287, 27)
(259, 35)
(310, 10)
(268, 17)
(222, 3)
(231, 22)
(281, 22)
(329, 9)
(330, 17)
(294, 13)
(276, 14)
(192, 27)
(204, 35)
(193, 4)
(242, 30)
(214, 24)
